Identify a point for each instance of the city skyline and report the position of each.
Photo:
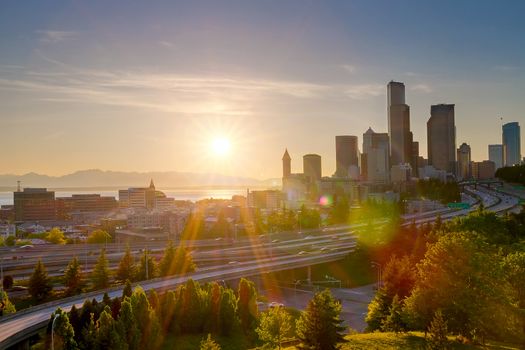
(81, 89)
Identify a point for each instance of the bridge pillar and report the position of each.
(309, 274)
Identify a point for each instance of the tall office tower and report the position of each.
(512, 143)
(398, 124)
(34, 204)
(497, 155)
(287, 164)
(346, 155)
(441, 138)
(464, 161)
(312, 166)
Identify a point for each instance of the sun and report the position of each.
(221, 146)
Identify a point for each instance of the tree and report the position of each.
(319, 327)
(176, 261)
(438, 332)
(6, 307)
(209, 344)
(147, 268)
(126, 268)
(63, 332)
(247, 304)
(107, 335)
(228, 312)
(127, 291)
(394, 321)
(99, 237)
(378, 310)
(55, 236)
(127, 326)
(39, 282)
(7, 282)
(100, 274)
(275, 326)
(514, 266)
(73, 277)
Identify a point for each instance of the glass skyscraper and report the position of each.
(512, 143)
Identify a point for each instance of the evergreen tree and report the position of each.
(74, 319)
(247, 304)
(438, 332)
(275, 326)
(394, 321)
(107, 335)
(216, 293)
(209, 344)
(6, 307)
(126, 268)
(7, 282)
(100, 274)
(89, 335)
(148, 271)
(73, 277)
(127, 291)
(127, 326)
(378, 310)
(166, 264)
(63, 332)
(319, 327)
(228, 312)
(39, 282)
(106, 300)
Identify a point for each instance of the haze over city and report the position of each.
(225, 86)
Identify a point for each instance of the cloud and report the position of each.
(165, 44)
(349, 68)
(55, 36)
(424, 88)
(364, 91)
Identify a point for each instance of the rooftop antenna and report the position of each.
(18, 185)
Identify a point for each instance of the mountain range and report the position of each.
(118, 179)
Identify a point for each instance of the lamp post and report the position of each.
(52, 330)
(379, 273)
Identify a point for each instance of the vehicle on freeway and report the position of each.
(18, 288)
(27, 246)
(302, 252)
(275, 304)
(275, 241)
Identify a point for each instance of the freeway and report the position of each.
(17, 327)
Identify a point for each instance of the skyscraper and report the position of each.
(375, 158)
(441, 138)
(398, 124)
(312, 166)
(464, 161)
(497, 155)
(512, 143)
(346, 155)
(287, 164)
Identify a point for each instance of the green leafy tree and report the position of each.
(55, 236)
(319, 327)
(73, 280)
(63, 332)
(209, 344)
(126, 269)
(100, 274)
(228, 312)
(99, 237)
(6, 307)
(147, 320)
(39, 283)
(394, 322)
(127, 291)
(514, 267)
(275, 326)
(438, 332)
(247, 304)
(378, 310)
(89, 334)
(176, 261)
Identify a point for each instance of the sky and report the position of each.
(152, 85)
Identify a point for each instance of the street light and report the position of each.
(379, 273)
(52, 330)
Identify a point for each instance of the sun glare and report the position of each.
(221, 146)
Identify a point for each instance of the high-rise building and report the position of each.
(312, 167)
(398, 124)
(483, 170)
(464, 160)
(512, 143)
(287, 164)
(497, 155)
(375, 159)
(138, 197)
(441, 138)
(414, 160)
(34, 204)
(346, 155)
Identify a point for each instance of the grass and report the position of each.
(192, 342)
(406, 341)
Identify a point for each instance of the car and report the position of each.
(275, 241)
(27, 246)
(275, 304)
(302, 252)
(18, 288)
(233, 263)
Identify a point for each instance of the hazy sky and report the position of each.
(147, 85)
